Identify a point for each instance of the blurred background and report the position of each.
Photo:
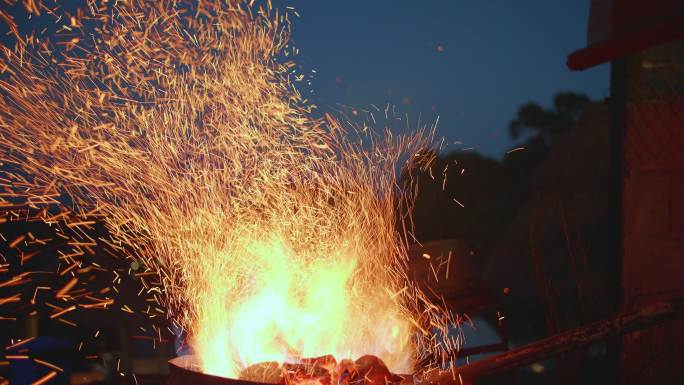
(564, 177)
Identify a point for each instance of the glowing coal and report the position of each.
(275, 233)
(366, 370)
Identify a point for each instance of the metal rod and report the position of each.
(643, 318)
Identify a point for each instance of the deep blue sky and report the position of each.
(495, 55)
(472, 62)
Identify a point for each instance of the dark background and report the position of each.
(527, 203)
(470, 62)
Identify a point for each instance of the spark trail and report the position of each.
(179, 124)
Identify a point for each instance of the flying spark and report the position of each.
(266, 233)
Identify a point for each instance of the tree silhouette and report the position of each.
(549, 124)
(541, 128)
(481, 194)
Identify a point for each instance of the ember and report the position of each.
(274, 233)
(325, 370)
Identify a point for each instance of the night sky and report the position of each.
(470, 62)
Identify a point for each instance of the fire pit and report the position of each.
(367, 370)
(184, 370)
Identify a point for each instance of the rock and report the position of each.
(267, 372)
(344, 371)
(370, 370)
(309, 373)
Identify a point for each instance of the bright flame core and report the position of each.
(275, 234)
(293, 309)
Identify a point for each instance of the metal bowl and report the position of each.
(184, 370)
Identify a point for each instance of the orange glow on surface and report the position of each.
(294, 308)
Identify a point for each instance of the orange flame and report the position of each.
(275, 234)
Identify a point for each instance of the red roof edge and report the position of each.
(623, 45)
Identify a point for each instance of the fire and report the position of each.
(293, 308)
(274, 233)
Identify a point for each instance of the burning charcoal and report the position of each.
(267, 372)
(305, 374)
(370, 370)
(343, 372)
(328, 362)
